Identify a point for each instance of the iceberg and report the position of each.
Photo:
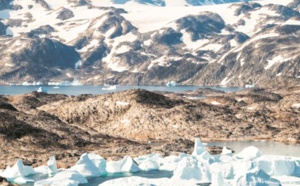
(189, 168)
(148, 165)
(155, 157)
(17, 173)
(171, 84)
(109, 87)
(200, 150)
(256, 177)
(64, 178)
(86, 167)
(149, 162)
(42, 170)
(249, 153)
(52, 165)
(226, 151)
(125, 165)
(41, 89)
(249, 85)
(99, 162)
(278, 166)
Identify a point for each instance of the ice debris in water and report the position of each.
(247, 168)
(41, 89)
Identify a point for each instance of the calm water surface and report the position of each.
(267, 147)
(77, 90)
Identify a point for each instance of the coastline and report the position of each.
(38, 125)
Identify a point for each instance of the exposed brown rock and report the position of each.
(35, 126)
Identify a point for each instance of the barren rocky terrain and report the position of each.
(228, 45)
(35, 126)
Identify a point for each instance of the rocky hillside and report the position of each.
(36, 125)
(96, 43)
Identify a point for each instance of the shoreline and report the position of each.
(36, 125)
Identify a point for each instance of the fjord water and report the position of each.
(77, 90)
(267, 147)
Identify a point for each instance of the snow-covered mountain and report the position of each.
(137, 43)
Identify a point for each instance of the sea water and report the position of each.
(77, 90)
(267, 147)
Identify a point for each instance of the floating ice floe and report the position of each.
(249, 153)
(64, 178)
(256, 177)
(171, 84)
(99, 162)
(17, 174)
(125, 165)
(226, 151)
(41, 89)
(86, 167)
(279, 165)
(151, 162)
(109, 87)
(200, 150)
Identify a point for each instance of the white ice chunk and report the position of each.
(64, 178)
(52, 165)
(86, 167)
(155, 157)
(18, 170)
(249, 153)
(41, 89)
(226, 151)
(171, 84)
(41, 170)
(256, 177)
(190, 169)
(125, 165)
(148, 165)
(99, 162)
(200, 150)
(278, 166)
(22, 180)
(241, 167)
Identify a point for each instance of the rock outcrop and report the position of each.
(36, 125)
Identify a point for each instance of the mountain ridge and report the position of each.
(227, 44)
